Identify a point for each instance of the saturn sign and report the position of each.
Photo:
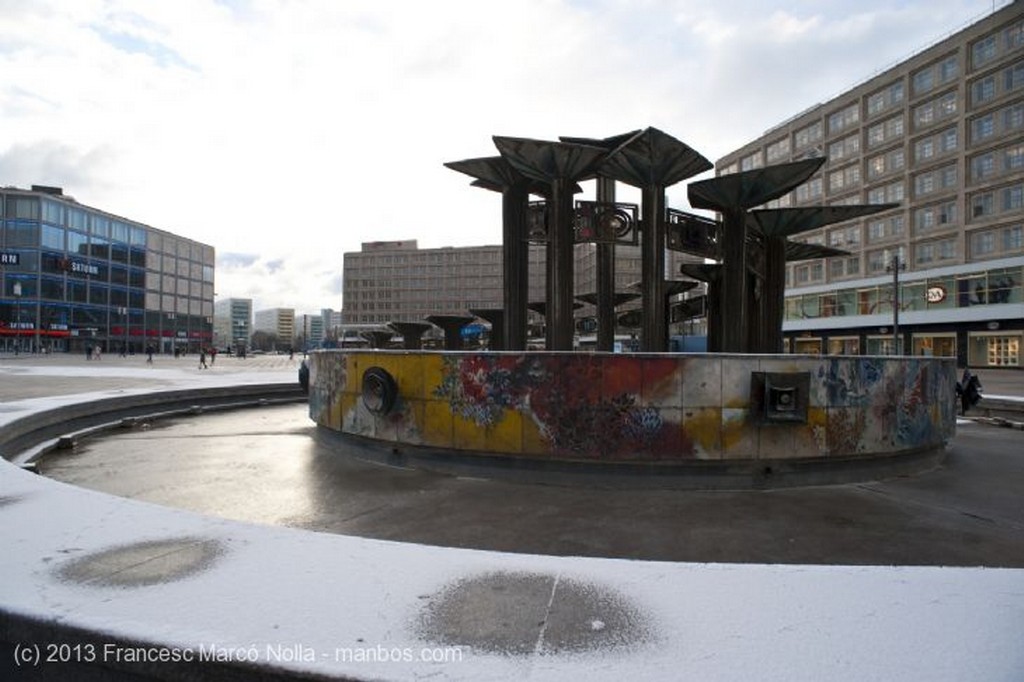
(936, 294)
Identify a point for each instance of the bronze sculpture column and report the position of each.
(560, 165)
(653, 160)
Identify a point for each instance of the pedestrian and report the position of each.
(202, 359)
(149, 354)
(88, 352)
(97, 352)
(213, 356)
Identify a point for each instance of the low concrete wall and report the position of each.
(19, 436)
(637, 407)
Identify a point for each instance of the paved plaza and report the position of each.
(576, 582)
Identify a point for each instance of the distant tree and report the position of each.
(265, 341)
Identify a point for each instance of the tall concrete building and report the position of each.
(75, 276)
(397, 281)
(232, 323)
(279, 322)
(942, 133)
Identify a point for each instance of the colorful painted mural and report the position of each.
(636, 407)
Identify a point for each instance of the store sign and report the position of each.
(8, 258)
(84, 268)
(936, 294)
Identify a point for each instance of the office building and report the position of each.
(942, 133)
(76, 277)
(397, 281)
(278, 323)
(232, 323)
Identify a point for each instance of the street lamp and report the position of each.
(124, 314)
(895, 266)
(17, 317)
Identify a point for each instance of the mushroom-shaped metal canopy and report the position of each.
(378, 338)
(452, 326)
(705, 272)
(798, 251)
(652, 157)
(545, 160)
(672, 286)
(783, 222)
(541, 307)
(751, 188)
(494, 173)
(619, 298)
(412, 333)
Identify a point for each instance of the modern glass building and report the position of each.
(942, 133)
(76, 277)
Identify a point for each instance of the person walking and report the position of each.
(213, 356)
(149, 354)
(202, 359)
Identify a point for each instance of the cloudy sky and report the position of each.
(287, 132)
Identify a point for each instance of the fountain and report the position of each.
(744, 414)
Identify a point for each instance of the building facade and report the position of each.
(232, 323)
(279, 322)
(942, 133)
(76, 277)
(397, 281)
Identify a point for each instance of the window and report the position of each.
(1013, 37)
(778, 150)
(1013, 238)
(982, 205)
(807, 135)
(948, 177)
(949, 69)
(1013, 157)
(923, 80)
(924, 254)
(982, 128)
(924, 184)
(1013, 117)
(983, 166)
(983, 90)
(1013, 77)
(848, 146)
(948, 140)
(1012, 198)
(983, 51)
(983, 243)
(843, 119)
(751, 161)
(924, 149)
(885, 98)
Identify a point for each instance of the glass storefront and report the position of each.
(844, 345)
(807, 346)
(939, 345)
(995, 349)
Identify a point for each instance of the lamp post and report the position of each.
(895, 265)
(17, 317)
(123, 312)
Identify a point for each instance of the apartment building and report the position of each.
(942, 133)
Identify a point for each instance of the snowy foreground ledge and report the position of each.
(343, 606)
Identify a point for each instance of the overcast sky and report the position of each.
(285, 133)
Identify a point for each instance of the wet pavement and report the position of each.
(269, 466)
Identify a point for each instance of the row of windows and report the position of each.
(26, 234)
(1008, 119)
(994, 287)
(54, 263)
(100, 227)
(944, 107)
(996, 242)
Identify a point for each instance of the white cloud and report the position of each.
(296, 130)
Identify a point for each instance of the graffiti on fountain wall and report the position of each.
(634, 407)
